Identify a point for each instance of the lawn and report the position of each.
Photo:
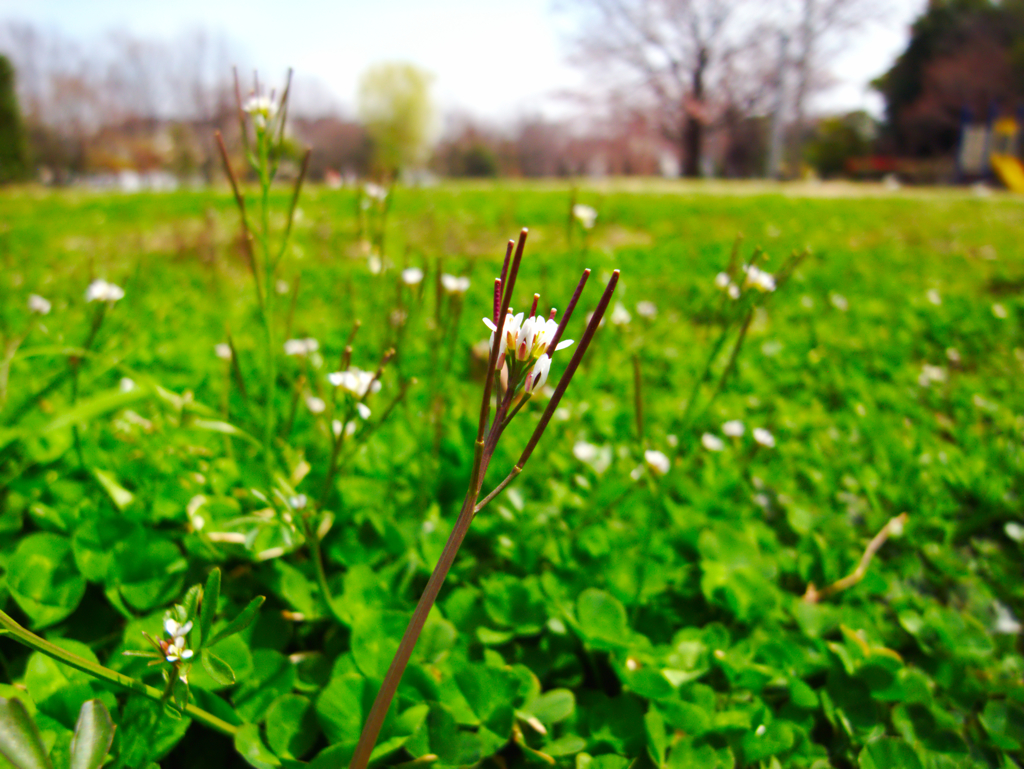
(601, 611)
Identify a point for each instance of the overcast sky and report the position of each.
(496, 60)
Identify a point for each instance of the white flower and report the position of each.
(375, 264)
(758, 278)
(364, 410)
(734, 291)
(953, 355)
(620, 315)
(931, 374)
(298, 502)
(1014, 531)
(538, 374)
(646, 309)
(764, 437)
(336, 427)
(37, 304)
(585, 215)
(282, 287)
(301, 346)
(733, 428)
(101, 291)
(722, 281)
(126, 385)
(355, 381)
(454, 285)
(839, 302)
(375, 191)
(175, 630)
(1000, 311)
(412, 276)
(598, 457)
(933, 296)
(262, 109)
(222, 351)
(657, 461)
(1005, 621)
(315, 405)
(712, 442)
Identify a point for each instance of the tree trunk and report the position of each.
(693, 132)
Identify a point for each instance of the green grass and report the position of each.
(666, 618)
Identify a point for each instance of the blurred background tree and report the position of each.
(396, 108)
(14, 162)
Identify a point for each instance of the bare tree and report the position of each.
(672, 49)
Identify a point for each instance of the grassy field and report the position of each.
(597, 615)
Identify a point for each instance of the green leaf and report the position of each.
(190, 602)
(551, 706)
(94, 734)
(250, 747)
(20, 742)
(889, 753)
(224, 428)
(657, 741)
(375, 639)
(41, 576)
(118, 494)
(292, 727)
(241, 622)
(1004, 722)
(602, 618)
(219, 670)
(208, 609)
(98, 405)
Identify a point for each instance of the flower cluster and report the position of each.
(101, 291)
(301, 347)
(528, 339)
(174, 649)
(355, 381)
(38, 304)
(261, 108)
(454, 285)
(585, 215)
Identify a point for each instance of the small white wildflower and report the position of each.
(839, 302)
(315, 405)
(712, 442)
(412, 276)
(758, 278)
(585, 452)
(350, 428)
(454, 285)
(733, 291)
(1014, 531)
(539, 374)
(222, 351)
(126, 385)
(375, 264)
(933, 296)
(953, 355)
(38, 304)
(1005, 621)
(282, 287)
(336, 427)
(375, 191)
(176, 630)
(261, 108)
(673, 439)
(658, 462)
(585, 215)
(764, 437)
(722, 281)
(759, 731)
(931, 374)
(646, 309)
(297, 502)
(733, 428)
(620, 315)
(355, 381)
(101, 291)
(1000, 311)
(364, 410)
(301, 346)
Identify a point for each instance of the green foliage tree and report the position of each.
(961, 53)
(14, 164)
(396, 108)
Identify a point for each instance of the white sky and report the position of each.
(494, 60)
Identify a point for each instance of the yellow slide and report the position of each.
(1010, 170)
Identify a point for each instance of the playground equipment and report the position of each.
(994, 147)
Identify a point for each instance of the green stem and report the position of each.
(268, 294)
(33, 641)
(313, 540)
